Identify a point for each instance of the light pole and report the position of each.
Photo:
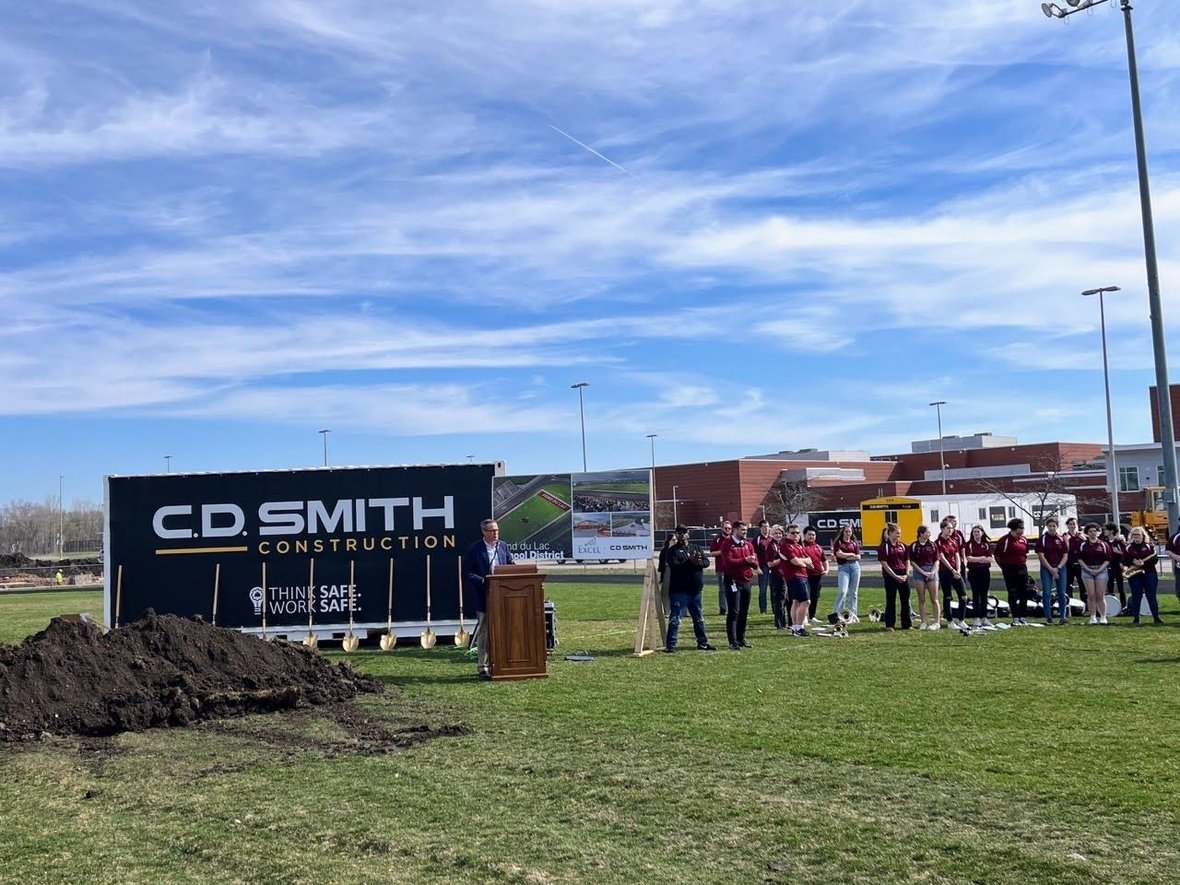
(579, 387)
(324, 433)
(167, 463)
(938, 404)
(675, 515)
(651, 437)
(61, 516)
(1163, 393)
(1114, 470)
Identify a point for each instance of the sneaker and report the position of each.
(937, 625)
(1048, 622)
(1063, 621)
(979, 622)
(986, 623)
(1093, 619)
(923, 626)
(1102, 620)
(1135, 622)
(706, 647)
(733, 646)
(1157, 620)
(853, 619)
(888, 629)
(745, 644)
(483, 674)
(670, 649)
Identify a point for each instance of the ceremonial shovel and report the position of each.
(311, 640)
(389, 640)
(428, 639)
(462, 637)
(350, 641)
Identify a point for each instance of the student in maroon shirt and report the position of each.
(717, 550)
(797, 565)
(978, 553)
(1053, 552)
(1141, 555)
(950, 574)
(776, 561)
(1112, 534)
(816, 571)
(846, 553)
(1073, 569)
(958, 536)
(741, 564)
(894, 557)
(761, 548)
(924, 576)
(1012, 555)
(1094, 555)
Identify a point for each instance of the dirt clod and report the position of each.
(159, 671)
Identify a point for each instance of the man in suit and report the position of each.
(480, 561)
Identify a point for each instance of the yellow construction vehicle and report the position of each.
(1151, 513)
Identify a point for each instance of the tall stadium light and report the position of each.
(1162, 391)
(324, 433)
(1114, 470)
(938, 404)
(579, 387)
(651, 437)
(167, 463)
(675, 514)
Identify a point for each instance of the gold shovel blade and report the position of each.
(350, 642)
(428, 638)
(388, 641)
(462, 639)
(311, 640)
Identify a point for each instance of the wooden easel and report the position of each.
(653, 620)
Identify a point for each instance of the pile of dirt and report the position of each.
(15, 560)
(159, 671)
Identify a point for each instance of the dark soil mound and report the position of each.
(15, 560)
(160, 671)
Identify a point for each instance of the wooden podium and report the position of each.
(516, 622)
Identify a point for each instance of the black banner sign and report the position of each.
(167, 535)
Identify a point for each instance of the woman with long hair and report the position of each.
(776, 562)
(1012, 555)
(894, 557)
(846, 553)
(949, 544)
(1141, 555)
(924, 574)
(978, 552)
(1095, 555)
(1112, 534)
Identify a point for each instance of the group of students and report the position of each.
(790, 564)
(1096, 559)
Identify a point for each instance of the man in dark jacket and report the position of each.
(685, 563)
(481, 560)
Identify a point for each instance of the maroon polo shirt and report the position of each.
(978, 548)
(923, 554)
(762, 548)
(1054, 548)
(849, 546)
(816, 554)
(1094, 553)
(949, 548)
(793, 550)
(896, 556)
(1012, 550)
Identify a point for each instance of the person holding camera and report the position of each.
(685, 564)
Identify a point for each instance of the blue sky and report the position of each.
(224, 226)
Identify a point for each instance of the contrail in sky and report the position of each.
(582, 144)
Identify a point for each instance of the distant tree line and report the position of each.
(32, 529)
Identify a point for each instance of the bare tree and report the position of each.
(787, 501)
(32, 529)
(1045, 494)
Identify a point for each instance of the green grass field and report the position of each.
(1034, 755)
(533, 514)
(608, 487)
